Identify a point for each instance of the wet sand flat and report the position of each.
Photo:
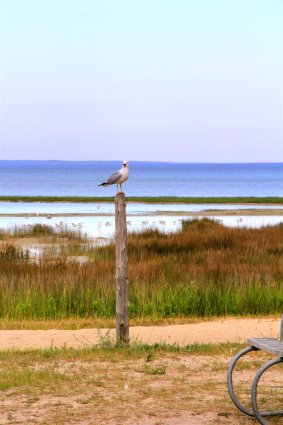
(206, 213)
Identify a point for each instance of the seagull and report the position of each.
(118, 177)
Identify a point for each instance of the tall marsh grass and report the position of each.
(43, 231)
(206, 269)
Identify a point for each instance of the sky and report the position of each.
(147, 80)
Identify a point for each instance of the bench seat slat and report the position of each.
(270, 345)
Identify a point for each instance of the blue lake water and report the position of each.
(56, 178)
(59, 178)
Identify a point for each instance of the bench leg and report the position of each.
(257, 377)
(230, 380)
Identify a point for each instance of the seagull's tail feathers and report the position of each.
(103, 184)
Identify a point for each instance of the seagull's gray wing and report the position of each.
(114, 177)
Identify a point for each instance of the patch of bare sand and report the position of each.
(181, 418)
(213, 331)
(102, 392)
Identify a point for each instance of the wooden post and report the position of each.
(122, 284)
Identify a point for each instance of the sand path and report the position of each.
(214, 331)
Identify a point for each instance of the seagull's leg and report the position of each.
(118, 191)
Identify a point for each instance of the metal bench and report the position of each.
(268, 345)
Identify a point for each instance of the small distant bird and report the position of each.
(118, 177)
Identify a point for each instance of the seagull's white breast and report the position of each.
(124, 174)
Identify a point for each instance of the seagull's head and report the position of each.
(125, 164)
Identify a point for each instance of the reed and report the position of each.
(43, 231)
(204, 270)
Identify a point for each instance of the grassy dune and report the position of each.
(204, 270)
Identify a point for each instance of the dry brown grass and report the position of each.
(204, 270)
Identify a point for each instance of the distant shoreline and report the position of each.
(204, 213)
(149, 199)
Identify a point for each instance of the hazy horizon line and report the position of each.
(136, 161)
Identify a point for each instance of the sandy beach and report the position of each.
(165, 389)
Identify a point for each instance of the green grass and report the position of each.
(205, 270)
(147, 199)
(108, 349)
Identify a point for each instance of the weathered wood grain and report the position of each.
(121, 276)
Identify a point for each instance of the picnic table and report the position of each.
(272, 346)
